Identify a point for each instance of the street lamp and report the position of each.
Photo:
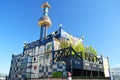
(113, 75)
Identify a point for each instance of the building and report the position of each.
(44, 56)
(115, 73)
(15, 69)
(3, 76)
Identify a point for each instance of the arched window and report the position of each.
(49, 47)
(42, 50)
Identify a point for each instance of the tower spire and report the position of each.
(44, 21)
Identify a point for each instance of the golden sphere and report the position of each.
(45, 21)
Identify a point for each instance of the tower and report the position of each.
(44, 21)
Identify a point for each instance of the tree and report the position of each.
(79, 47)
(91, 50)
(64, 44)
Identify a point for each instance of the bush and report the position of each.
(57, 74)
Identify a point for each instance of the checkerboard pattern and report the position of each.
(48, 70)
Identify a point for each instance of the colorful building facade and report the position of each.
(44, 56)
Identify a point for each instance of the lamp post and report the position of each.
(113, 75)
(6, 77)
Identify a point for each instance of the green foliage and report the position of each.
(57, 74)
(91, 50)
(79, 47)
(64, 44)
(83, 55)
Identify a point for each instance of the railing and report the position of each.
(69, 52)
(66, 53)
(78, 60)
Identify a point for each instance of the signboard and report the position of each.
(100, 67)
(94, 67)
(106, 68)
(87, 66)
(78, 64)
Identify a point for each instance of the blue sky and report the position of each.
(97, 20)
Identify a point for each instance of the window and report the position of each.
(49, 46)
(18, 60)
(34, 59)
(41, 57)
(29, 59)
(36, 50)
(42, 49)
